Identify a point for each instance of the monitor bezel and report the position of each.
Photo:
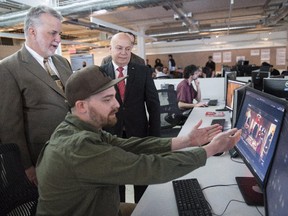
(278, 81)
(282, 135)
(242, 83)
(235, 112)
(254, 75)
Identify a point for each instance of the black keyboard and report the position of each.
(213, 102)
(190, 198)
(219, 121)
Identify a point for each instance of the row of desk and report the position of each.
(159, 199)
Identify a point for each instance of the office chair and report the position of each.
(170, 115)
(18, 196)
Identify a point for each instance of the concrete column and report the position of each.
(141, 41)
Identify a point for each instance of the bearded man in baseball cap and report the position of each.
(80, 168)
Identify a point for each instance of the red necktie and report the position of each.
(121, 85)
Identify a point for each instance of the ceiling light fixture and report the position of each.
(100, 12)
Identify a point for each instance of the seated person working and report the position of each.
(186, 92)
(81, 167)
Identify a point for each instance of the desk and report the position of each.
(159, 200)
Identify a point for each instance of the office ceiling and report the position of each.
(159, 20)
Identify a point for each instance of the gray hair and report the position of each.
(32, 17)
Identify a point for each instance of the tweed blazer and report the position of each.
(31, 103)
(140, 93)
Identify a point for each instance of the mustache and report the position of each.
(114, 111)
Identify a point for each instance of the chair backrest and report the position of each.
(169, 111)
(18, 196)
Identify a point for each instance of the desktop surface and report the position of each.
(159, 199)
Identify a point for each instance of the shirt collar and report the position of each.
(116, 66)
(36, 55)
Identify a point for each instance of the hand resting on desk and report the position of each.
(218, 141)
(201, 104)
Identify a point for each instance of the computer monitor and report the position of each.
(239, 94)
(276, 86)
(229, 75)
(231, 86)
(260, 119)
(243, 62)
(276, 190)
(257, 79)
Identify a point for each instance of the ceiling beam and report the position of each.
(118, 28)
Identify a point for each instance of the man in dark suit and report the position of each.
(32, 105)
(139, 90)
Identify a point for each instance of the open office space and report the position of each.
(240, 36)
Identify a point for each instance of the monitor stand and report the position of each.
(250, 191)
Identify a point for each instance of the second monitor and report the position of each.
(260, 119)
(276, 86)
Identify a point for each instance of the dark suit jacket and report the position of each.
(134, 59)
(140, 89)
(31, 103)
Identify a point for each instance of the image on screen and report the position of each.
(260, 119)
(231, 86)
(276, 199)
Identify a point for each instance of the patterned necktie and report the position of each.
(53, 74)
(121, 85)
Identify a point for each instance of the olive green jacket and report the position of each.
(80, 168)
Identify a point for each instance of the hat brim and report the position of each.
(110, 84)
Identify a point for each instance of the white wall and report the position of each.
(212, 88)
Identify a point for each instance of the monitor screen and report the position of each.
(276, 190)
(276, 86)
(257, 79)
(231, 86)
(260, 119)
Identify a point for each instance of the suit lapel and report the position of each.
(131, 77)
(110, 70)
(32, 65)
(64, 75)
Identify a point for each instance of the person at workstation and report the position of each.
(133, 59)
(210, 64)
(31, 82)
(172, 66)
(139, 112)
(158, 62)
(270, 68)
(186, 93)
(81, 166)
(160, 74)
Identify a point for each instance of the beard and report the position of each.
(101, 121)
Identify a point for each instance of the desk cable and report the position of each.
(237, 161)
(232, 200)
